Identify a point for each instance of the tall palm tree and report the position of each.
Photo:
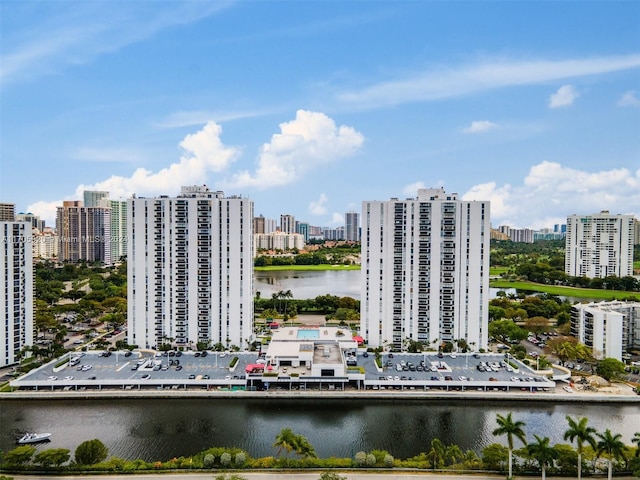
(437, 453)
(506, 426)
(582, 434)
(611, 445)
(286, 440)
(543, 452)
(304, 447)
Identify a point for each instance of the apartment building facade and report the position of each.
(425, 270)
(599, 246)
(84, 233)
(352, 227)
(16, 290)
(190, 269)
(608, 328)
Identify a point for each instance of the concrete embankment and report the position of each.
(347, 394)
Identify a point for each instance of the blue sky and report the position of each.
(310, 108)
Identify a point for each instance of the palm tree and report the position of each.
(286, 440)
(636, 440)
(611, 445)
(506, 426)
(304, 448)
(543, 452)
(437, 453)
(286, 295)
(579, 431)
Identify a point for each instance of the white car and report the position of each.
(68, 377)
(568, 389)
(52, 377)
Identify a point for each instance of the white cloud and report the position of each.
(74, 33)
(204, 153)
(629, 99)
(411, 190)
(564, 97)
(480, 126)
(319, 207)
(337, 219)
(306, 143)
(448, 82)
(200, 117)
(550, 192)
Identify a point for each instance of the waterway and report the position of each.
(341, 283)
(160, 429)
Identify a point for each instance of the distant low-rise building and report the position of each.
(608, 328)
(278, 241)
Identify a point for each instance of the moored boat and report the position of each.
(34, 438)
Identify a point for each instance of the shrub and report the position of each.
(264, 462)
(61, 362)
(370, 460)
(19, 456)
(209, 460)
(90, 452)
(361, 459)
(234, 361)
(388, 461)
(225, 459)
(241, 459)
(331, 476)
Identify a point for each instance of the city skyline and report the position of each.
(310, 109)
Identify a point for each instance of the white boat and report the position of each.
(34, 438)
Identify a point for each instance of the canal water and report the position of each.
(160, 429)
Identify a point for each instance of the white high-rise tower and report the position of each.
(425, 270)
(599, 246)
(16, 290)
(190, 269)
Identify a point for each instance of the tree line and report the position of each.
(544, 262)
(591, 449)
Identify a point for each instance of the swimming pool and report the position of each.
(308, 334)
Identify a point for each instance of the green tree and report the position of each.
(52, 457)
(610, 368)
(91, 452)
(494, 456)
(437, 454)
(582, 434)
(636, 440)
(506, 426)
(304, 447)
(19, 456)
(544, 453)
(612, 446)
(286, 440)
(567, 461)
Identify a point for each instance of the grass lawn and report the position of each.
(497, 271)
(565, 291)
(276, 268)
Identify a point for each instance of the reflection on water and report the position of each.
(305, 285)
(161, 429)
